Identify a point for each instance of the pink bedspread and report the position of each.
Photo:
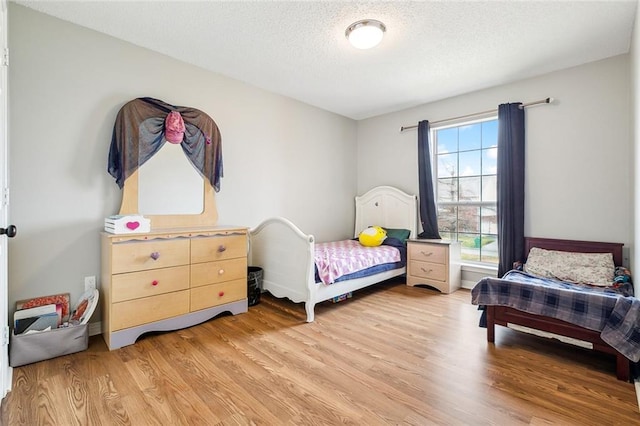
(337, 258)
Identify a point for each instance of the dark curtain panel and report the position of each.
(428, 215)
(510, 185)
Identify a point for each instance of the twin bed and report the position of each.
(602, 318)
(288, 256)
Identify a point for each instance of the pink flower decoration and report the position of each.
(174, 127)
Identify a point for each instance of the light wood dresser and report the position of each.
(435, 263)
(170, 279)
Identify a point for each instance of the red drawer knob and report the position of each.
(154, 283)
(221, 294)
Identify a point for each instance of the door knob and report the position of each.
(10, 231)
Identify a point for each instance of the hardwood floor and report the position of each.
(390, 355)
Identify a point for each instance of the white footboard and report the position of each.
(285, 254)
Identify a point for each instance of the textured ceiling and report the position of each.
(432, 49)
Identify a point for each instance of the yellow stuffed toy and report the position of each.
(373, 236)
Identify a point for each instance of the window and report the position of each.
(466, 187)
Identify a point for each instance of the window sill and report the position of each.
(482, 269)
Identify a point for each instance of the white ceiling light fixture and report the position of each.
(365, 34)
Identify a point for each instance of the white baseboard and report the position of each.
(468, 284)
(95, 328)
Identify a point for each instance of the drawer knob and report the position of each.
(154, 283)
(221, 248)
(221, 271)
(426, 254)
(426, 270)
(155, 255)
(221, 294)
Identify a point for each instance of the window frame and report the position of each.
(480, 204)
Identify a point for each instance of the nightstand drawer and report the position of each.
(217, 294)
(434, 253)
(135, 285)
(431, 271)
(152, 254)
(217, 272)
(209, 249)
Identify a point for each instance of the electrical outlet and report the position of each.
(89, 283)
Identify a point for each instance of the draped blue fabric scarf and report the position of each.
(138, 133)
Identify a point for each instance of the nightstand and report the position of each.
(435, 263)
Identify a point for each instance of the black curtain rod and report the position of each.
(475, 114)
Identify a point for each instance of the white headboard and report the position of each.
(388, 207)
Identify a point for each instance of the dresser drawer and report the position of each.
(136, 312)
(209, 249)
(431, 271)
(152, 254)
(218, 294)
(135, 285)
(434, 253)
(217, 272)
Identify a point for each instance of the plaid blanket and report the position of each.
(622, 330)
(604, 309)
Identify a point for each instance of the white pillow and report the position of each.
(583, 268)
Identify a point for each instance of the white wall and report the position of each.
(578, 156)
(281, 157)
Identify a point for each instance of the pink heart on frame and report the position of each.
(133, 225)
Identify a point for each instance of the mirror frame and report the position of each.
(208, 217)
